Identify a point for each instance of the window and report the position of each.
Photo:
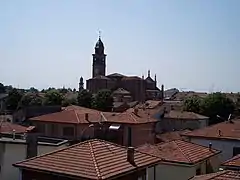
(236, 151)
(68, 131)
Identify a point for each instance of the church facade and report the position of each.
(125, 88)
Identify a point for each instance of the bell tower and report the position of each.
(99, 59)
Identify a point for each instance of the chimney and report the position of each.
(86, 116)
(162, 91)
(136, 111)
(14, 134)
(32, 142)
(210, 146)
(219, 133)
(130, 155)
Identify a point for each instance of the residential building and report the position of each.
(182, 160)
(89, 160)
(223, 136)
(128, 128)
(221, 175)
(232, 164)
(16, 144)
(179, 120)
(171, 136)
(23, 114)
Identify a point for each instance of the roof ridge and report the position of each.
(186, 156)
(55, 151)
(94, 161)
(218, 151)
(133, 117)
(76, 116)
(217, 175)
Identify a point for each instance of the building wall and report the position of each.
(10, 153)
(226, 146)
(168, 124)
(173, 171)
(57, 129)
(30, 175)
(140, 134)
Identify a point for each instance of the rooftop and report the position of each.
(184, 115)
(221, 175)
(93, 159)
(224, 130)
(41, 140)
(233, 162)
(179, 151)
(7, 127)
(170, 136)
(77, 115)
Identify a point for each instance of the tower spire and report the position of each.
(99, 34)
(148, 73)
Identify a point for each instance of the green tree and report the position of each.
(33, 90)
(103, 100)
(53, 97)
(217, 104)
(31, 99)
(2, 88)
(69, 101)
(84, 98)
(192, 104)
(14, 97)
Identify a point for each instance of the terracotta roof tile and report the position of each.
(233, 162)
(184, 115)
(93, 159)
(130, 117)
(68, 116)
(7, 127)
(170, 136)
(179, 151)
(221, 175)
(76, 115)
(224, 130)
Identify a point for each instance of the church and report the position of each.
(124, 88)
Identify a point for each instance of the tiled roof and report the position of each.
(183, 95)
(233, 162)
(7, 127)
(179, 151)
(221, 175)
(129, 117)
(132, 78)
(170, 136)
(93, 159)
(115, 75)
(76, 115)
(184, 115)
(121, 91)
(68, 116)
(224, 130)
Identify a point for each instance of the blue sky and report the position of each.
(188, 44)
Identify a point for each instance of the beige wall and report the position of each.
(57, 131)
(141, 134)
(174, 171)
(10, 153)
